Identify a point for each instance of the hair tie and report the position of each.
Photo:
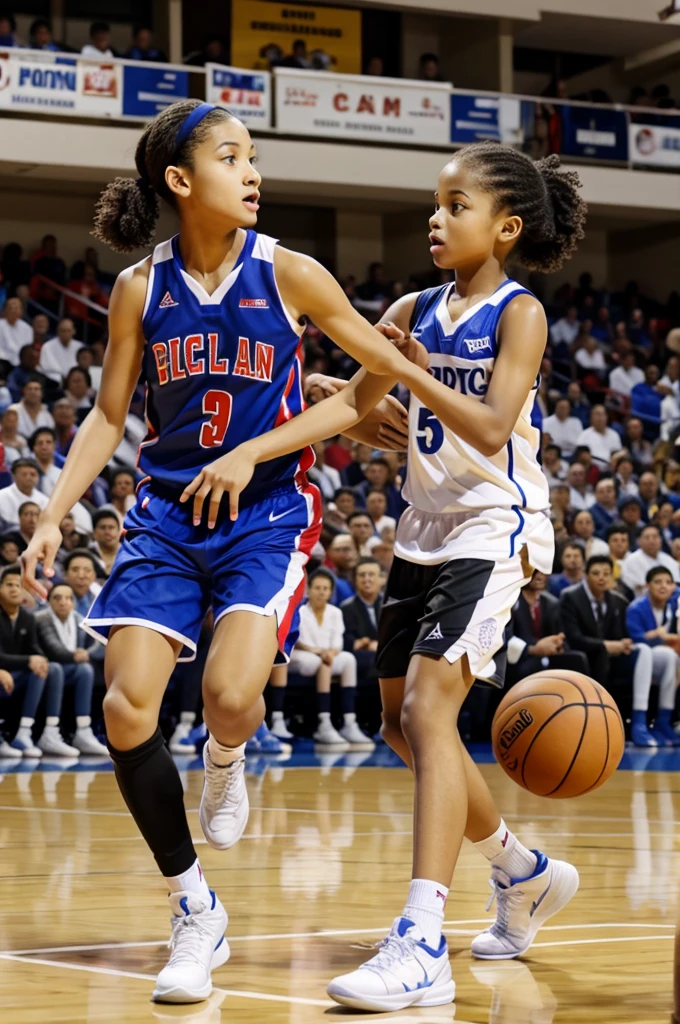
(190, 121)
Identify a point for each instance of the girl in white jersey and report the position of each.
(476, 527)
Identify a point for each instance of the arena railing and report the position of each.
(58, 309)
(357, 108)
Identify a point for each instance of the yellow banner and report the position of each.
(257, 26)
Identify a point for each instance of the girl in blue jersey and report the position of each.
(475, 526)
(212, 319)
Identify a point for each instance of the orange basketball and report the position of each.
(558, 734)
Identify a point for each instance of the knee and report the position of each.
(123, 716)
(55, 674)
(225, 702)
(390, 730)
(84, 672)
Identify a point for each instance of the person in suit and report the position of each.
(362, 614)
(537, 640)
(66, 643)
(652, 620)
(594, 621)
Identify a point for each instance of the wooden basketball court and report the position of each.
(318, 878)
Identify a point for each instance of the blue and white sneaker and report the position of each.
(268, 742)
(253, 745)
(198, 947)
(404, 972)
(23, 743)
(523, 906)
(197, 738)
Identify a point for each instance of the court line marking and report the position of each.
(449, 929)
(266, 996)
(590, 942)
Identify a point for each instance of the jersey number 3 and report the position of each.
(216, 405)
(430, 433)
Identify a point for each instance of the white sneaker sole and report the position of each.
(185, 995)
(435, 995)
(564, 886)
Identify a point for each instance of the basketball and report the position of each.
(558, 734)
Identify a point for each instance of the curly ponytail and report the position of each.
(546, 198)
(127, 210)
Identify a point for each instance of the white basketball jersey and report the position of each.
(446, 474)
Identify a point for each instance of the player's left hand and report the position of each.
(231, 473)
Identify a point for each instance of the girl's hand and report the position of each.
(318, 386)
(231, 473)
(409, 346)
(393, 429)
(44, 546)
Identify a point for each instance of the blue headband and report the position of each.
(190, 122)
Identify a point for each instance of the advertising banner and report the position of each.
(259, 27)
(595, 132)
(475, 117)
(354, 107)
(246, 94)
(149, 88)
(56, 86)
(655, 145)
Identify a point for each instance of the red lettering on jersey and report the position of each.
(391, 106)
(366, 104)
(216, 365)
(242, 367)
(192, 344)
(176, 371)
(160, 354)
(264, 361)
(340, 102)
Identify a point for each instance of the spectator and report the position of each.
(29, 357)
(581, 494)
(298, 58)
(341, 557)
(376, 287)
(580, 406)
(428, 67)
(325, 477)
(15, 270)
(14, 444)
(648, 556)
(9, 550)
(602, 328)
(29, 514)
(362, 614)
(663, 518)
(70, 539)
(554, 466)
(339, 453)
(600, 438)
(8, 29)
(625, 475)
(626, 376)
(106, 534)
(573, 561)
(214, 52)
(143, 46)
(41, 331)
(42, 445)
(618, 543)
(41, 37)
(121, 492)
(100, 41)
(559, 501)
(563, 428)
(342, 506)
(651, 620)
(353, 473)
(637, 331)
(564, 333)
(377, 474)
(25, 475)
(670, 382)
(605, 511)
(634, 441)
(361, 530)
(14, 332)
(375, 66)
(670, 417)
(648, 491)
(66, 643)
(376, 506)
(31, 410)
(590, 356)
(583, 530)
(78, 391)
(47, 270)
(630, 510)
(645, 400)
(64, 425)
(80, 572)
(537, 640)
(319, 652)
(88, 287)
(22, 656)
(59, 354)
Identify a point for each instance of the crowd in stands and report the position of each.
(609, 409)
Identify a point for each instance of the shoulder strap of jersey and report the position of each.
(425, 301)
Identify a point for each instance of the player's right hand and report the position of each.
(231, 473)
(44, 546)
(409, 346)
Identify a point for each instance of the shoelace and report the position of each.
(184, 930)
(223, 781)
(391, 949)
(507, 900)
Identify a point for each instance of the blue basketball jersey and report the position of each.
(220, 369)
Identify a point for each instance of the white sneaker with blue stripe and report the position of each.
(404, 972)
(198, 947)
(523, 906)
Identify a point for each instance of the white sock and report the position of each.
(277, 716)
(425, 907)
(349, 718)
(83, 722)
(504, 850)
(190, 881)
(51, 722)
(324, 717)
(224, 756)
(187, 717)
(25, 724)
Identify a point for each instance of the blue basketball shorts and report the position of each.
(168, 572)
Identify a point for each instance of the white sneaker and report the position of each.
(7, 751)
(404, 972)
(198, 946)
(224, 808)
(327, 736)
(87, 743)
(280, 730)
(355, 737)
(23, 742)
(176, 746)
(51, 742)
(523, 906)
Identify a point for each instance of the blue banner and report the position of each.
(594, 132)
(148, 88)
(474, 118)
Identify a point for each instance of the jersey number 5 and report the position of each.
(216, 405)
(430, 433)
